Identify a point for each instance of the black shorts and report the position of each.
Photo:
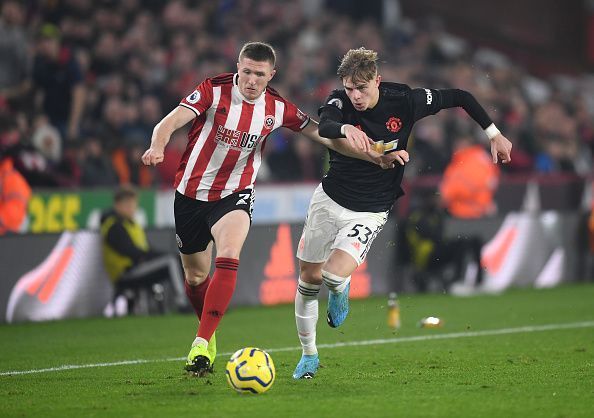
(195, 218)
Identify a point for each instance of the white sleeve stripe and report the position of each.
(304, 124)
(191, 108)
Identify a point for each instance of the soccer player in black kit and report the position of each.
(350, 207)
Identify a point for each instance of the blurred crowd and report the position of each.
(82, 84)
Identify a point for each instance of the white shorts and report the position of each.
(329, 225)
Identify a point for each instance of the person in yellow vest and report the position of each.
(129, 260)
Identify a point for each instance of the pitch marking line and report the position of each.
(453, 335)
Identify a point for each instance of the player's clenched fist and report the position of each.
(152, 156)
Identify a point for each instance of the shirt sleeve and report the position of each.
(427, 102)
(200, 100)
(331, 117)
(294, 118)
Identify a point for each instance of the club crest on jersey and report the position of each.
(394, 124)
(194, 97)
(269, 121)
(335, 102)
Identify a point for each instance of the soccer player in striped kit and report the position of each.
(232, 116)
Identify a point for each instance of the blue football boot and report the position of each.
(307, 367)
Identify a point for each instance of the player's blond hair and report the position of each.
(359, 64)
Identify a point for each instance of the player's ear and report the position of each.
(237, 66)
(272, 73)
(378, 80)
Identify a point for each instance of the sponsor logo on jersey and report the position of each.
(335, 102)
(194, 97)
(238, 140)
(269, 121)
(394, 124)
(429, 96)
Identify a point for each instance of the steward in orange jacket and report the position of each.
(14, 197)
(469, 182)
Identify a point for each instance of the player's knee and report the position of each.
(310, 275)
(340, 267)
(195, 276)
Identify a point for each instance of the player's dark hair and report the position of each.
(258, 51)
(358, 64)
(124, 193)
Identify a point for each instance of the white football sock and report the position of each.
(306, 315)
(335, 283)
(199, 340)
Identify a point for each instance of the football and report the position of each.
(250, 370)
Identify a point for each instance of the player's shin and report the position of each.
(196, 295)
(219, 294)
(306, 315)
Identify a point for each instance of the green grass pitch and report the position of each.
(495, 360)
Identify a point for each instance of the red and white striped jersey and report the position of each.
(226, 141)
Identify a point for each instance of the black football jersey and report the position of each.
(362, 186)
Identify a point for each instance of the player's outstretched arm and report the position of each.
(428, 102)
(162, 132)
(348, 149)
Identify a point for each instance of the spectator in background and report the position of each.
(129, 168)
(430, 147)
(46, 139)
(147, 55)
(14, 71)
(113, 124)
(14, 191)
(96, 167)
(150, 114)
(58, 77)
(469, 181)
(129, 260)
(32, 165)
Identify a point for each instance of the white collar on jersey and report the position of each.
(236, 88)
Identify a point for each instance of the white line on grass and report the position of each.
(453, 335)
